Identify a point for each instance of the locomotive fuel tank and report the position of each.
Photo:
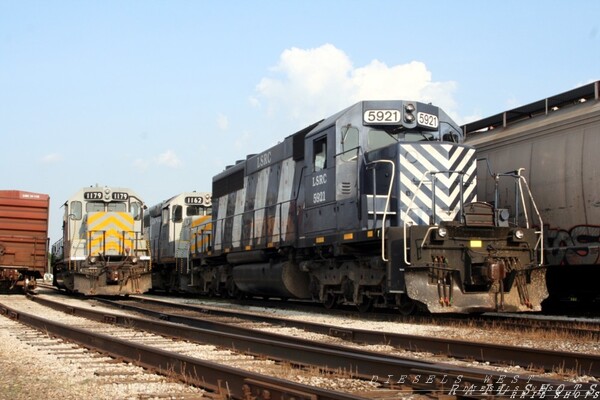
(279, 279)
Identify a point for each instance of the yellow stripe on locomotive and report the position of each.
(110, 233)
(201, 231)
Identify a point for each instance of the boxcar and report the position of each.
(23, 238)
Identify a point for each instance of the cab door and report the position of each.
(320, 215)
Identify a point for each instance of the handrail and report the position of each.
(520, 196)
(541, 222)
(387, 203)
(221, 221)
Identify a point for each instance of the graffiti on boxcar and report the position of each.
(576, 246)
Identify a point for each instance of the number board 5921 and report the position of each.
(428, 120)
(382, 116)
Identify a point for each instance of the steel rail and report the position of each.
(547, 360)
(226, 382)
(442, 378)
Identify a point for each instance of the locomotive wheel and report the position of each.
(211, 290)
(330, 301)
(366, 305)
(408, 307)
(232, 290)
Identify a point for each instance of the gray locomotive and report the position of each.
(373, 206)
(557, 140)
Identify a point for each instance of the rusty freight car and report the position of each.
(23, 238)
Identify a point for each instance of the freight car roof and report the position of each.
(537, 108)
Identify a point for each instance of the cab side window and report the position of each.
(177, 213)
(76, 210)
(320, 154)
(349, 143)
(135, 209)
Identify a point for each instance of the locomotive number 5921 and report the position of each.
(382, 116)
(429, 120)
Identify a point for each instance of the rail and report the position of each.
(226, 382)
(364, 364)
(387, 200)
(482, 352)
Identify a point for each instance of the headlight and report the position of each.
(134, 260)
(92, 260)
(519, 234)
(442, 232)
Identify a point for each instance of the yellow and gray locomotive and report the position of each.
(103, 250)
(179, 230)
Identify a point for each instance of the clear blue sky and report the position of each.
(159, 96)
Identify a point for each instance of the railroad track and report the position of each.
(546, 360)
(166, 356)
(35, 363)
(550, 325)
(569, 328)
(392, 372)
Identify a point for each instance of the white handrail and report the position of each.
(405, 220)
(387, 204)
(541, 231)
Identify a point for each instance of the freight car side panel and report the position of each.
(557, 178)
(24, 230)
(591, 172)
